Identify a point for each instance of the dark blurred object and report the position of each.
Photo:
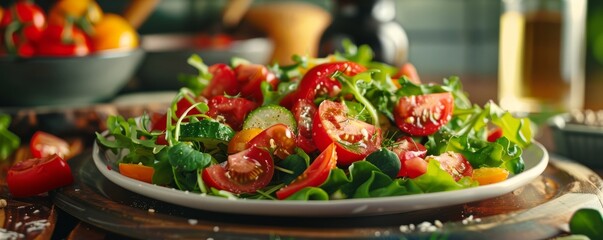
(370, 22)
(68, 81)
(579, 136)
(167, 56)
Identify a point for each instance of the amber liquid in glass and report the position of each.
(531, 77)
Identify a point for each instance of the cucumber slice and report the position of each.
(266, 116)
(210, 133)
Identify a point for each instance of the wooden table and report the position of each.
(540, 209)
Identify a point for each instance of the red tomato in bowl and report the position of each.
(423, 115)
(250, 78)
(223, 81)
(407, 149)
(38, 175)
(243, 172)
(54, 42)
(354, 139)
(319, 81)
(315, 175)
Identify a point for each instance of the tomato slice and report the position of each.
(406, 148)
(318, 81)
(315, 175)
(44, 144)
(137, 171)
(278, 139)
(303, 111)
(250, 77)
(423, 115)
(414, 167)
(230, 110)
(243, 172)
(453, 163)
(354, 139)
(223, 81)
(494, 134)
(38, 175)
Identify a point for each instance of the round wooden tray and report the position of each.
(538, 210)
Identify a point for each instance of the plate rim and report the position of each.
(331, 208)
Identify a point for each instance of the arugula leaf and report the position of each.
(9, 142)
(185, 158)
(357, 85)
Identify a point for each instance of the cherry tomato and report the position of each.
(414, 167)
(113, 32)
(315, 175)
(76, 10)
(223, 81)
(43, 144)
(137, 171)
(64, 41)
(24, 23)
(354, 139)
(494, 134)
(278, 139)
(453, 163)
(230, 110)
(241, 138)
(303, 111)
(38, 175)
(423, 115)
(406, 148)
(243, 172)
(318, 81)
(408, 70)
(250, 77)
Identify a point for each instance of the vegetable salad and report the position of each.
(338, 127)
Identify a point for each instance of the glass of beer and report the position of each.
(541, 55)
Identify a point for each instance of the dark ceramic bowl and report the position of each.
(47, 81)
(579, 136)
(167, 56)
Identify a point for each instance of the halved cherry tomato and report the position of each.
(241, 138)
(137, 171)
(43, 144)
(303, 111)
(423, 115)
(278, 139)
(414, 167)
(243, 172)
(223, 81)
(113, 32)
(250, 77)
(408, 70)
(406, 148)
(38, 175)
(230, 110)
(315, 175)
(489, 175)
(453, 163)
(318, 81)
(63, 40)
(494, 134)
(354, 139)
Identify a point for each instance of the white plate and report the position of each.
(535, 156)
